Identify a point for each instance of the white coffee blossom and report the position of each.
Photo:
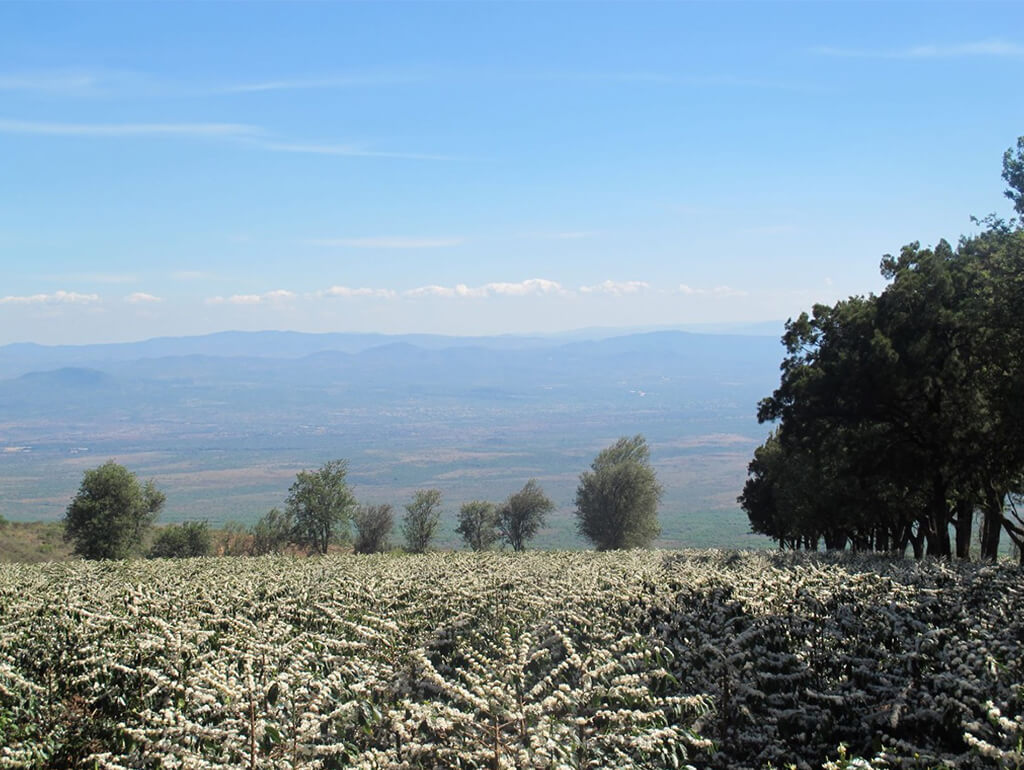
(538, 660)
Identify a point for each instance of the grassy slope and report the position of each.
(32, 542)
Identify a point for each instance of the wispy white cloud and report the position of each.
(325, 82)
(103, 81)
(275, 297)
(718, 291)
(141, 297)
(459, 290)
(346, 291)
(667, 79)
(523, 288)
(56, 298)
(388, 242)
(44, 128)
(241, 133)
(94, 277)
(90, 83)
(569, 235)
(980, 48)
(776, 229)
(573, 236)
(345, 150)
(77, 82)
(529, 287)
(48, 82)
(616, 288)
(278, 295)
(383, 79)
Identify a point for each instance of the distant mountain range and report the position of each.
(223, 421)
(275, 366)
(24, 357)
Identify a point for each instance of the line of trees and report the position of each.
(616, 507)
(899, 417)
(515, 522)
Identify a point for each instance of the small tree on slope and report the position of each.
(111, 512)
(321, 504)
(422, 516)
(522, 514)
(617, 499)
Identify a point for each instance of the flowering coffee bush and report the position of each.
(564, 660)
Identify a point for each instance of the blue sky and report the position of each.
(180, 168)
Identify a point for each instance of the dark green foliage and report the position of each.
(110, 513)
(478, 521)
(900, 415)
(422, 516)
(272, 533)
(522, 514)
(617, 499)
(233, 539)
(373, 526)
(1013, 173)
(320, 504)
(184, 541)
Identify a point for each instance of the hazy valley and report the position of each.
(223, 422)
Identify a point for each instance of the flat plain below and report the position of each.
(224, 435)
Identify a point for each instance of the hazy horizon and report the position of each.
(223, 425)
(768, 328)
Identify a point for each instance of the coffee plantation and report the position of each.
(640, 659)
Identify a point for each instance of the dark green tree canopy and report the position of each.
(422, 516)
(522, 514)
(182, 541)
(1013, 174)
(899, 416)
(272, 533)
(320, 504)
(111, 513)
(373, 527)
(617, 499)
(478, 521)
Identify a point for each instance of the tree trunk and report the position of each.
(916, 540)
(964, 528)
(938, 543)
(834, 541)
(991, 524)
(882, 540)
(901, 539)
(1015, 528)
(937, 521)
